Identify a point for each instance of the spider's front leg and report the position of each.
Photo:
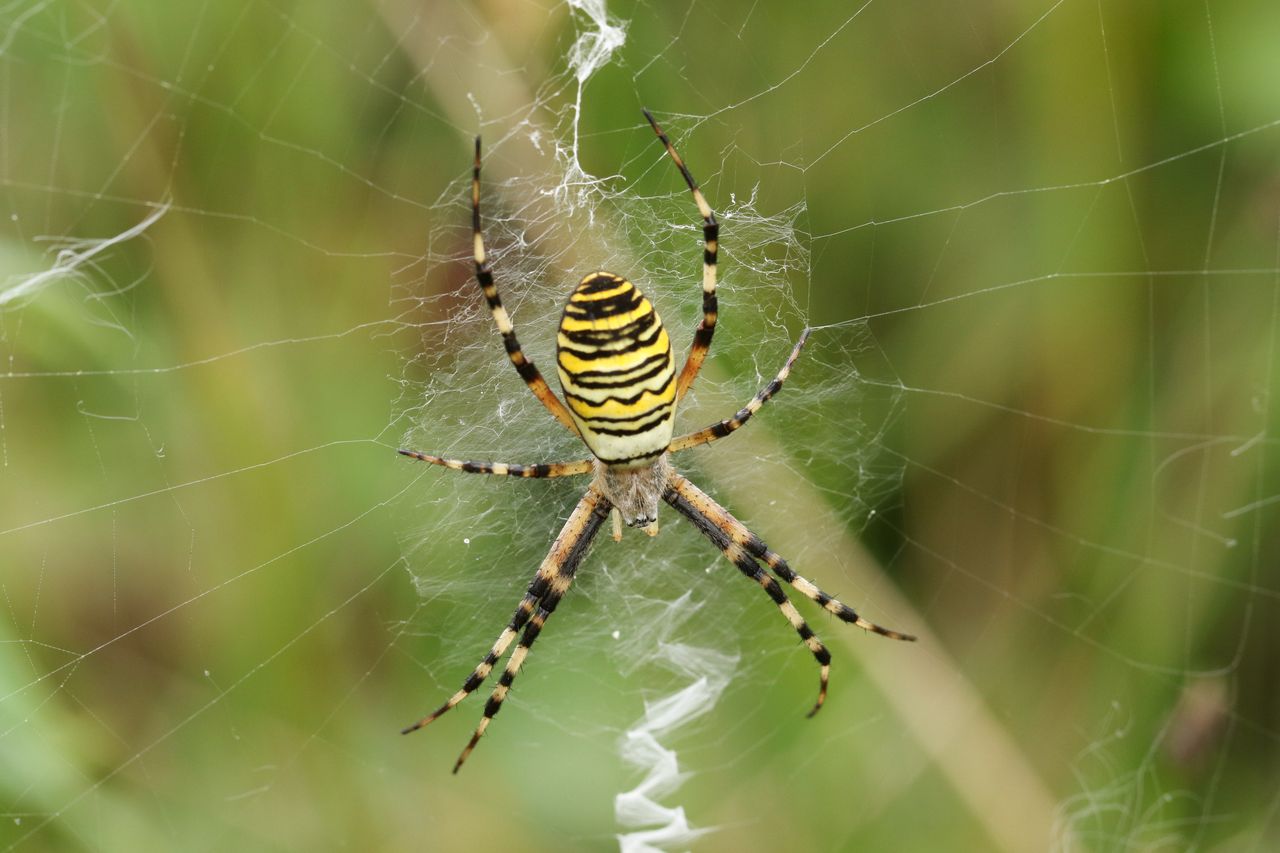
(710, 250)
(484, 277)
(742, 548)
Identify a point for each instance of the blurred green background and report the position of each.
(1042, 245)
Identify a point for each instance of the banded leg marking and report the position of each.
(710, 250)
(712, 519)
(507, 469)
(484, 276)
(728, 425)
(499, 695)
(566, 552)
(809, 589)
(560, 565)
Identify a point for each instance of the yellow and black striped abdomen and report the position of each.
(616, 369)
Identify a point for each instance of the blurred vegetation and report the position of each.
(1060, 222)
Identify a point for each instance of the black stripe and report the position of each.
(628, 431)
(660, 413)
(605, 335)
(528, 372)
(537, 588)
(475, 679)
(626, 401)
(622, 460)
(582, 377)
(624, 290)
(534, 628)
(593, 288)
(662, 363)
(771, 586)
(700, 521)
(598, 282)
(598, 309)
(630, 346)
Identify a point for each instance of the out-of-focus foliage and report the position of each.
(1059, 221)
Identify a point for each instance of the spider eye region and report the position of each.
(616, 370)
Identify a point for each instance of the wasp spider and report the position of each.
(620, 394)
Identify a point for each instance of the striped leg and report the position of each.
(710, 249)
(540, 470)
(566, 552)
(844, 612)
(718, 526)
(720, 430)
(559, 567)
(484, 275)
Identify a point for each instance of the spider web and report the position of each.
(1039, 248)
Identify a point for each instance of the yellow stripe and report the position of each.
(629, 374)
(579, 296)
(615, 362)
(571, 364)
(648, 403)
(571, 323)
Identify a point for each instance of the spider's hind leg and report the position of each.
(714, 522)
(809, 589)
(567, 552)
(550, 583)
(743, 548)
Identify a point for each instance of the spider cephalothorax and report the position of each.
(635, 492)
(619, 381)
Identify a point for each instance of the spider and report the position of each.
(620, 395)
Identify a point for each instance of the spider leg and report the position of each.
(540, 470)
(718, 526)
(728, 425)
(710, 248)
(484, 275)
(565, 554)
(809, 589)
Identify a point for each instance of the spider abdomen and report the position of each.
(616, 371)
